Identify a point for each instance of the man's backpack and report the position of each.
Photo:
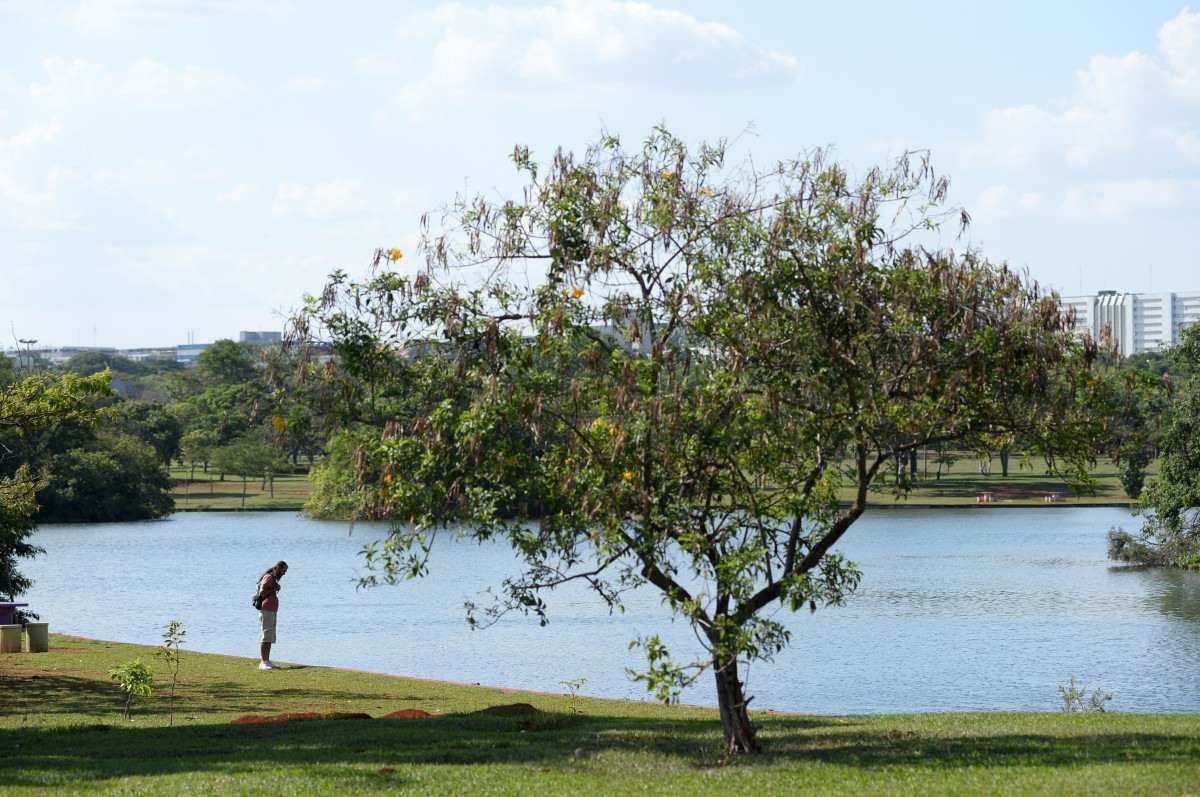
(257, 600)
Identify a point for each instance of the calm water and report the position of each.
(958, 610)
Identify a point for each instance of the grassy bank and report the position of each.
(206, 491)
(960, 484)
(61, 729)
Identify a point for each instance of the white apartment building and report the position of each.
(1134, 322)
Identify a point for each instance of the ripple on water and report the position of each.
(958, 610)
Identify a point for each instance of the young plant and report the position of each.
(135, 680)
(573, 686)
(172, 653)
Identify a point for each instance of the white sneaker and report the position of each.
(266, 665)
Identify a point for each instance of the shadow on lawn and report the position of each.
(1017, 486)
(55, 694)
(340, 751)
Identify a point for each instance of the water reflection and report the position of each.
(1174, 592)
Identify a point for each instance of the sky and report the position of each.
(174, 171)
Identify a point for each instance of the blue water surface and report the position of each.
(959, 609)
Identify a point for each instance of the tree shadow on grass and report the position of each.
(341, 751)
(57, 694)
(1015, 487)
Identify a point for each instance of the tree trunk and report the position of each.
(739, 733)
(243, 492)
(1004, 462)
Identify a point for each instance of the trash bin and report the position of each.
(39, 637)
(10, 638)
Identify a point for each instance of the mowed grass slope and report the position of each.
(61, 731)
(206, 491)
(960, 484)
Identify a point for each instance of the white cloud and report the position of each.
(1188, 144)
(378, 66)
(1000, 202)
(1113, 199)
(75, 82)
(326, 200)
(106, 17)
(1124, 108)
(306, 84)
(31, 189)
(563, 50)
(239, 194)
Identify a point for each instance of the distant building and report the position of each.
(262, 338)
(1134, 323)
(53, 355)
(150, 354)
(187, 353)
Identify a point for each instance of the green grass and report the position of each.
(207, 492)
(61, 731)
(960, 485)
(1027, 484)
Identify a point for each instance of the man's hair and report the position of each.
(275, 567)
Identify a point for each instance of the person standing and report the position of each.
(268, 591)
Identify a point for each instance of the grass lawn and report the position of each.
(61, 731)
(207, 491)
(960, 484)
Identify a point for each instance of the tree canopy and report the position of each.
(226, 362)
(1170, 532)
(652, 369)
(28, 407)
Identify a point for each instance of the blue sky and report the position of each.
(169, 168)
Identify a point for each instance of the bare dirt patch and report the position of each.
(407, 714)
(258, 719)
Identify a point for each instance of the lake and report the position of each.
(959, 609)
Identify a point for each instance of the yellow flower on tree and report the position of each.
(394, 254)
(576, 292)
(706, 191)
(278, 423)
(627, 475)
(667, 174)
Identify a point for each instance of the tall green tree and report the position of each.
(654, 370)
(150, 423)
(87, 363)
(1170, 531)
(114, 477)
(28, 407)
(249, 458)
(226, 362)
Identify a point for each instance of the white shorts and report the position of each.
(268, 627)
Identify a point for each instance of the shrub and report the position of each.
(135, 680)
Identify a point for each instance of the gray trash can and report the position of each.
(10, 638)
(39, 637)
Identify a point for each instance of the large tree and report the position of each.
(226, 362)
(1170, 533)
(653, 369)
(28, 407)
